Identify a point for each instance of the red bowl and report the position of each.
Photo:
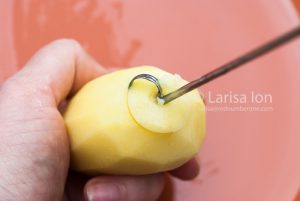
(248, 155)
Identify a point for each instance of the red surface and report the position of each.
(247, 155)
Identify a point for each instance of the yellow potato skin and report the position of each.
(105, 138)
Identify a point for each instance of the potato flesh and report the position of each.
(154, 116)
(106, 138)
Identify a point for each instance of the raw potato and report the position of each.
(116, 130)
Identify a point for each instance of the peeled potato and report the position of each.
(114, 129)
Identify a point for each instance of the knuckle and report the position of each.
(67, 43)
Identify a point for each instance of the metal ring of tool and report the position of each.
(150, 78)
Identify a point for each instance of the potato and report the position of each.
(115, 129)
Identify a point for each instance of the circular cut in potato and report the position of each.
(150, 112)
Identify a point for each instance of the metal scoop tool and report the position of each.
(222, 70)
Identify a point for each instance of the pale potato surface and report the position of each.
(146, 109)
(116, 130)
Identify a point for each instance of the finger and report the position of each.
(188, 171)
(34, 144)
(125, 188)
(58, 69)
(112, 69)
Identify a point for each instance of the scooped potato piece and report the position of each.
(115, 129)
(149, 112)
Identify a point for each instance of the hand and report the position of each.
(34, 148)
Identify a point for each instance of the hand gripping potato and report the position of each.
(115, 129)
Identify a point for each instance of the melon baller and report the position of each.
(227, 67)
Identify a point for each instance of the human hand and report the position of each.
(34, 147)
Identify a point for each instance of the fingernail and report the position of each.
(100, 191)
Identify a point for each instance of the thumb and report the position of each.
(34, 149)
